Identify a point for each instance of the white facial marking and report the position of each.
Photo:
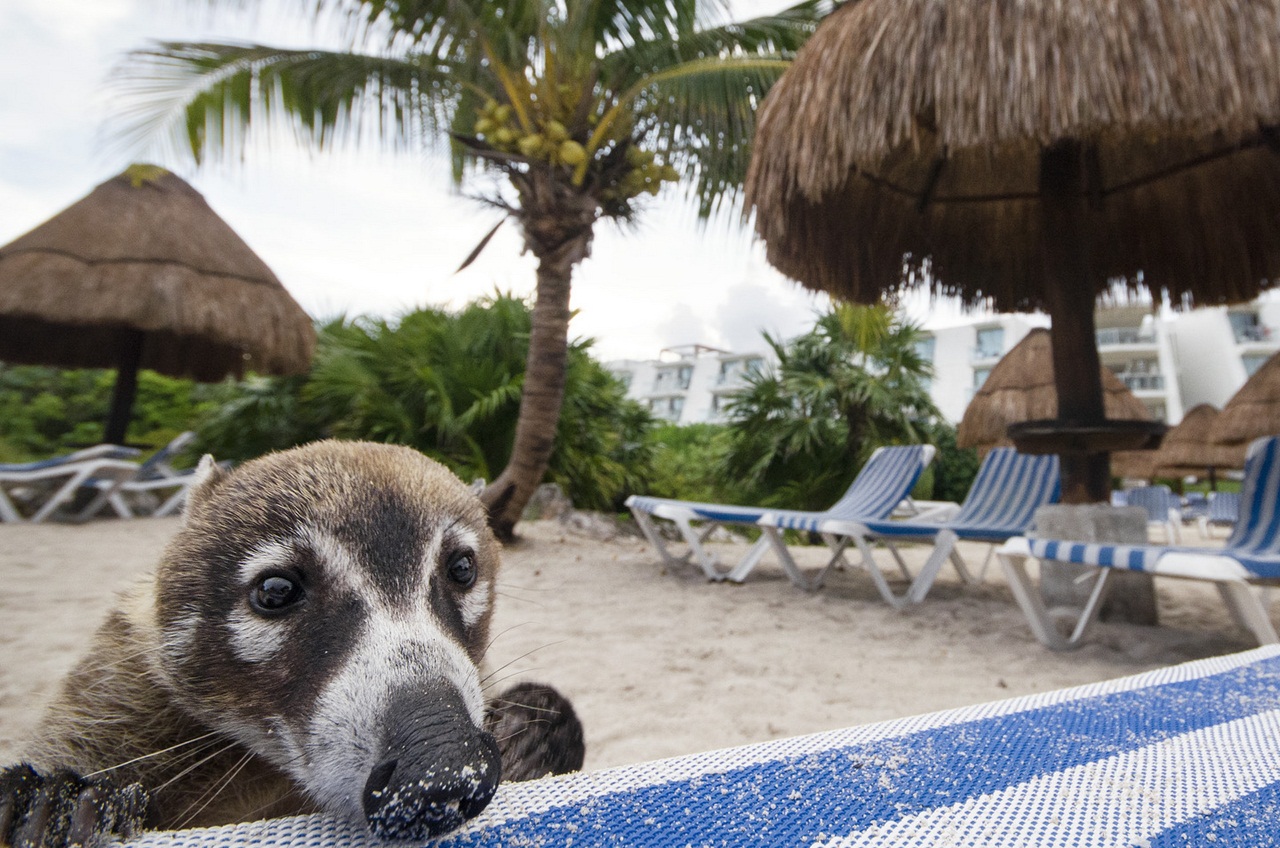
(475, 603)
(340, 566)
(180, 636)
(266, 556)
(255, 639)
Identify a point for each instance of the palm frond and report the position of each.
(206, 98)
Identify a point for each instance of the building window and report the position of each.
(1247, 327)
(1252, 362)
(980, 376)
(925, 348)
(624, 377)
(990, 343)
(673, 379)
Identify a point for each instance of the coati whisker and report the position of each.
(213, 791)
(189, 769)
(138, 759)
(488, 677)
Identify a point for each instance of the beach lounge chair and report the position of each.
(1180, 756)
(52, 483)
(883, 483)
(1002, 502)
(1164, 510)
(1223, 511)
(152, 478)
(1250, 556)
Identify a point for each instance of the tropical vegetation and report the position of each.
(801, 431)
(579, 108)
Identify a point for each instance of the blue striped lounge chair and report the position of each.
(883, 483)
(1222, 510)
(151, 480)
(57, 479)
(1001, 503)
(1164, 509)
(1178, 756)
(1250, 557)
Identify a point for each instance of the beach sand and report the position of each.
(658, 662)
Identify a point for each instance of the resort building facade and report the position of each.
(1170, 360)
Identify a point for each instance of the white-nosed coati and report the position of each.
(310, 641)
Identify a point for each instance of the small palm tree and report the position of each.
(854, 382)
(580, 107)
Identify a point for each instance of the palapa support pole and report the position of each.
(1068, 181)
(126, 386)
(1070, 296)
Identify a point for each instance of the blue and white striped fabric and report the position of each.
(883, 482)
(1182, 756)
(887, 478)
(1002, 501)
(1255, 542)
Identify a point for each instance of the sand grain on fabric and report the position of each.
(657, 662)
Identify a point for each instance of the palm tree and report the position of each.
(580, 107)
(854, 382)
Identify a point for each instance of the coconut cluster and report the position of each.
(550, 141)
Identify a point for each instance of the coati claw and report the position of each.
(62, 808)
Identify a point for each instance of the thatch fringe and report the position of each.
(914, 128)
(1021, 388)
(145, 252)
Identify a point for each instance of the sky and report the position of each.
(368, 231)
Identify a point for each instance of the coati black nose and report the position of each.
(439, 770)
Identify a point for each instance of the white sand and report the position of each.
(658, 663)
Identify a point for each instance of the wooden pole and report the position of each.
(126, 386)
(1068, 184)
(1070, 296)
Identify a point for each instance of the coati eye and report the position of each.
(274, 593)
(462, 568)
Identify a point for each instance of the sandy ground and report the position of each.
(658, 662)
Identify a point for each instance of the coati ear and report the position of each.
(477, 486)
(209, 475)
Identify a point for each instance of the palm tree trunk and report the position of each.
(558, 222)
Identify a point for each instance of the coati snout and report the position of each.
(311, 641)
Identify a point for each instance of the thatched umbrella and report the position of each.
(1021, 388)
(1188, 448)
(1029, 155)
(1252, 412)
(141, 273)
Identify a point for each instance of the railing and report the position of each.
(1139, 382)
(1123, 336)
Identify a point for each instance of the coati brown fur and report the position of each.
(310, 641)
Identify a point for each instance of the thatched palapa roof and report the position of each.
(1188, 447)
(915, 128)
(144, 252)
(1253, 411)
(1021, 388)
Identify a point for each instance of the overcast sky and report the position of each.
(365, 231)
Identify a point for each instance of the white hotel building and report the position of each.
(1170, 360)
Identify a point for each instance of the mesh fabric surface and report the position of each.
(1187, 755)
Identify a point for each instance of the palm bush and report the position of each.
(449, 385)
(802, 430)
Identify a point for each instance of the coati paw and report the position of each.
(537, 730)
(61, 808)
